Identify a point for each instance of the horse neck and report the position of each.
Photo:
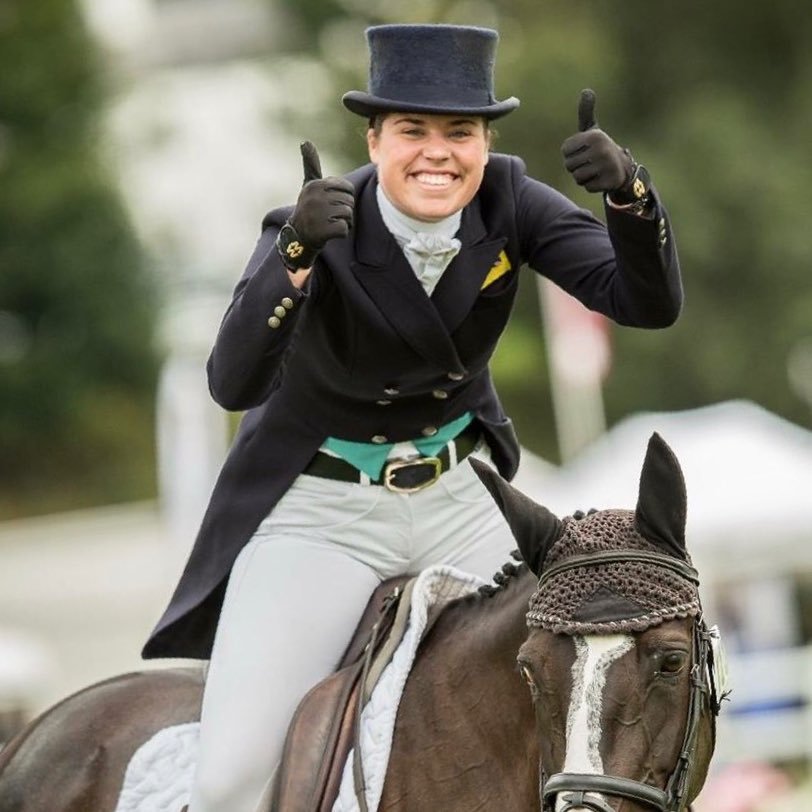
(466, 713)
(493, 626)
(473, 652)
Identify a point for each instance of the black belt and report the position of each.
(401, 475)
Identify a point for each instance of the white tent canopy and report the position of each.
(748, 475)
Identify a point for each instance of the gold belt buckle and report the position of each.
(391, 469)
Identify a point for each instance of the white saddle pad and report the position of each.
(159, 776)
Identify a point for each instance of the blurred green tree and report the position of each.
(77, 308)
(722, 110)
(715, 99)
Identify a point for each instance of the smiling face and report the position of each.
(429, 166)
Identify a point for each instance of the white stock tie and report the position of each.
(433, 253)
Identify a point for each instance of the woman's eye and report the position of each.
(673, 662)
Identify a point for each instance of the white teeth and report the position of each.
(434, 180)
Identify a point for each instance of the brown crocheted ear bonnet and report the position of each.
(608, 597)
(583, 586)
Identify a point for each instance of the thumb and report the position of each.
(586, 111)
(310, 162)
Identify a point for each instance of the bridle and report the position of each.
(706, 687)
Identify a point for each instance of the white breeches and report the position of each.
(295, 595)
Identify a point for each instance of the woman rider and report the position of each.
(358, 341)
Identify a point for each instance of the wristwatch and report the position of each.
(634, 194)
(293, 252)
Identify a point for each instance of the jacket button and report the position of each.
(274, 322)
(391, 390)
(455, 376)
(287, 303)
(379, 439)
(429, 431)
(440, 394)
(280, 311)
(384, 402)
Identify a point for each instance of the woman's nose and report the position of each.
(436, 149)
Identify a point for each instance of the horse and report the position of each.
(583, 680)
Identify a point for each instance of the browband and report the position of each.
(682, 568)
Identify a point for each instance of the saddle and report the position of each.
(322, 731)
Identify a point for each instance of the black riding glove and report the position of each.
(599, 165)
(323, 212)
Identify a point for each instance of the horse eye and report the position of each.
(673, 662)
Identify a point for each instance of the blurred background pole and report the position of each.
(799, 369)
(191, 430)
(578, 354)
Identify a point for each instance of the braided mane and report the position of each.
(510, 570)
(502, 578)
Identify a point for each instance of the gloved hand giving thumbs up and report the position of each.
(599, 165)
(323, 212)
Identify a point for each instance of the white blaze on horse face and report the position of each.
(595, 653)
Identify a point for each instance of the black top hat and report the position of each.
(430, 69)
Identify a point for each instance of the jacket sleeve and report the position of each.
(627, 269)
(257, 331)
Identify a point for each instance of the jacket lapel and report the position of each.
(462, 281)
(386, 276)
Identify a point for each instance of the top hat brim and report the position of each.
(365, 104)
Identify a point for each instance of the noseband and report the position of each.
(576, 786)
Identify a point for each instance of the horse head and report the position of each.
(619, 661)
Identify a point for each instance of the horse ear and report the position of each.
(662, 501)
(534, 527)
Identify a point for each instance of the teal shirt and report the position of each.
(370, 458)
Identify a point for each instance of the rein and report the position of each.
(703, 688)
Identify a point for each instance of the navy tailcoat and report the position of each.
(364, 351)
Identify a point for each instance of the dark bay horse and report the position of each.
(607, 703)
